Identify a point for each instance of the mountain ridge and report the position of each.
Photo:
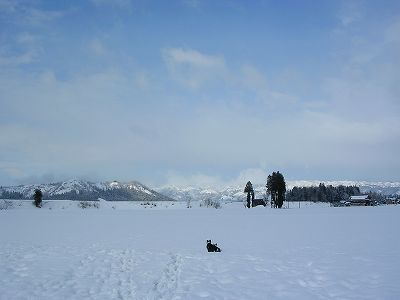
(75, 189)
(235, 192)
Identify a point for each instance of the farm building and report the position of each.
(361, 200)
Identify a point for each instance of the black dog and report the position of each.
(212, 247)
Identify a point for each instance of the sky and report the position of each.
(191, 92)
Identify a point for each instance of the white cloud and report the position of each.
(78, 125)
(193, 58)
(256, 81)
(22, 12)
(392, 32)
(97, 47)
(8, 6)
(369, 72)
(359, 111)
(20, 50)
(177, 179)
(351, 12)
(192, 3)
(39, 16)
(141, 80)
(123, 4)
(17, 60)
(193, 68)
(255, 175)
(26, 38)
(129, 119)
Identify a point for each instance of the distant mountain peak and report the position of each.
(77, 189)
(235, 193)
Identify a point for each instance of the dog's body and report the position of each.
(212, 247)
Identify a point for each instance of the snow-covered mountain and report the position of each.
(226, 194)
(236, 193)
(384, 187)
(85, 190)
(135, 191)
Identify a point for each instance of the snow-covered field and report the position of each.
(132, 252)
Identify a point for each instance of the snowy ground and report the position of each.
(316, 252)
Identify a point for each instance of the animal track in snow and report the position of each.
(167, 285)
(108, 274)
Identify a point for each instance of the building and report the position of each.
(361, 200)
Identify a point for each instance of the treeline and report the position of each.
(120, 194)
(11, 195)
(322, 193)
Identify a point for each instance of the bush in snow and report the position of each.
(88, 204)
(208, 202)
(6, 204)
(148, 204)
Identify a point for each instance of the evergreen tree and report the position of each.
(38, 198)
(250, 191)
(276, 187)
(322, 193)
(11, 195)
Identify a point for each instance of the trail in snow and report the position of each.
(167, 285)
(94, 273)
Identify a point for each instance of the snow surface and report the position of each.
(158, 252)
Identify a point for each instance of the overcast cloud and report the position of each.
(177, 93)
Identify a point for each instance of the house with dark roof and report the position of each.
(360, 200)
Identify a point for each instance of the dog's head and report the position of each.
(208, 241)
